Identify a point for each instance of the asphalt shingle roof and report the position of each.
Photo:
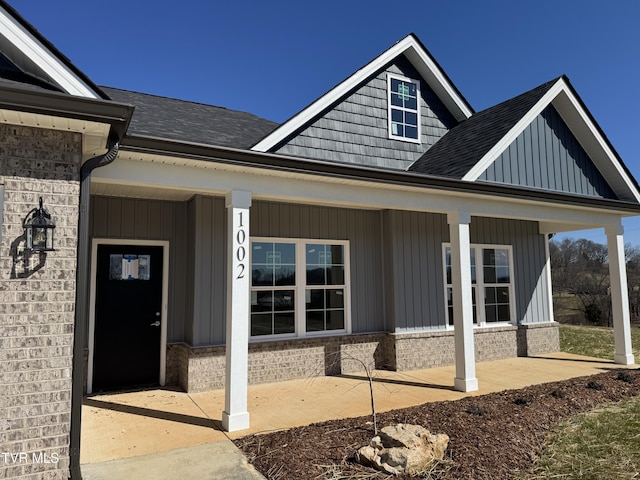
(186, 121)
(465, 144)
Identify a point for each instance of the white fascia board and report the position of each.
(421, 60)
(571, 111)
(43, 58)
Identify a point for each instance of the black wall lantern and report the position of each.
(38, 229)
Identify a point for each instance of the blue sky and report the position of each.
(274, 58)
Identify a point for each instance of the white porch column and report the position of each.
(235, 415)
(547, 273)
(619, 295)
(465, 380)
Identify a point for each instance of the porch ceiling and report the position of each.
(140, 191)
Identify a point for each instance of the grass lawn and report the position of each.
(601, 444)
(604, 443)
(594, 341)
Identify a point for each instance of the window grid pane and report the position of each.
(324, 301)
(273, 264)
(497, 278)
(403, 109)
(272, 312)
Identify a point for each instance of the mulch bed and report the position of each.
(491, 436)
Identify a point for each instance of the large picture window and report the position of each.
(491, 283)
(298, 287)
(404, 108)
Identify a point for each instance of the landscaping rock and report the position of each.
(403, 449)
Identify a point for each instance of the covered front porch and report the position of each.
(409, 219)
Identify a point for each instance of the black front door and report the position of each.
(127, 317)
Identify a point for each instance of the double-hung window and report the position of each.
(299, 287)
(404, 108)
(491, 284)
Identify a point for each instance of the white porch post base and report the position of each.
(465, 384)
(619, 295)
(465, 379)
(235, 422)
(235, 415)
(624, 359)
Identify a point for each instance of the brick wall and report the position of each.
(538, 339)
(496, 343)
(197, 369)
(423, 350)
(433, 349)
(203, 368)
(37, 298)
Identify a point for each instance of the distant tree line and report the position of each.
(580, 269)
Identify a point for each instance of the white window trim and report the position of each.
(300, 287)
(391, 76)
(479, 286)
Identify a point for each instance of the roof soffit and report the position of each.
(96, 119)
(34, 54)
(573, 112)
(415, 52)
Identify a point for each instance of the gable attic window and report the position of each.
(404, 108)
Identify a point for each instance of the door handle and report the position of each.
(155, 324)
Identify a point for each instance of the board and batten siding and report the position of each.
(414, 280)
(414, 285)
(355, 130)
(138, 219)
(547, 155)
(207, 309)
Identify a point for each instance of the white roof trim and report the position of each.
(421, 60)
(42, 57)
(586, 132)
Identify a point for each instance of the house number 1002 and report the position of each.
(241, 251)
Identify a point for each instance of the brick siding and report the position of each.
(203, 368)
(37, 302)
(538, 339)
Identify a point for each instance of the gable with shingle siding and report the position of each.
(355, 130)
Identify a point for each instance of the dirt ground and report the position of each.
(491, 436)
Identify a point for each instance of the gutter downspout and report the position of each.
(82, 307)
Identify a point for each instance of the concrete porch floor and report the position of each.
(150, 422)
